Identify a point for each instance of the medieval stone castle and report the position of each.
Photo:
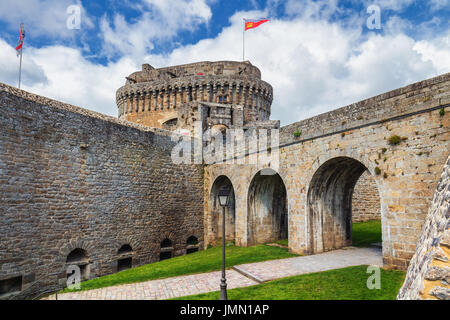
(82, 188)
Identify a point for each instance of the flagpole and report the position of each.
(20, 66)
(22, 36)
(243, 42)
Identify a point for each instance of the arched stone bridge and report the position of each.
(321, 159)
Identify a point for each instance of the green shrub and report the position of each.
(394, 140)
(442, 112)
(297, 134)
(384, 150)
(377, 171)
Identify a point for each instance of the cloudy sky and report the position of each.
(318, 55)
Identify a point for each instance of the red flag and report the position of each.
(22, 37)
(250, 24)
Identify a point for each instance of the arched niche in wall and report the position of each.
(125, 258)
(166, 251)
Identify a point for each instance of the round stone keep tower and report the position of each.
(225, 93)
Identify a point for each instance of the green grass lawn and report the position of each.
(199, 262)
(340, 284)
(284, 242)
(366, 233)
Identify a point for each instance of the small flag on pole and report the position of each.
(19, 50)
(20, 44)
(251, 24)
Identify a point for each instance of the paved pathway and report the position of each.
(207, 282)
(275, 269)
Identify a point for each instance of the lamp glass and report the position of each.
(223, 200)
(223, 196)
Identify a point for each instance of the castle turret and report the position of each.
(225, 93)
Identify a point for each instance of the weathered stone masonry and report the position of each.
(320, 168)
(169, 97)
(74, 179)
(428, 274)
(82, 188)
(366, 199)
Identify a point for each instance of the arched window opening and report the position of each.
(170, 124)
(125, 260)
(166, 251)
(126, 248)
(192, 245)
(10, 286)
(79, 257)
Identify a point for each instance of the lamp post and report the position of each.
(223, 201)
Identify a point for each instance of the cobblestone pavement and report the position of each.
(207, 282)
(275, 269)
(163, 288)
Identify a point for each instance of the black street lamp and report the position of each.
(224, 194)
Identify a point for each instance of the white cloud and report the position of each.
(9, 67)
(320, 9)
(439, 4)
(314, 65)
(436, 51)
(63, 74)
(396, 25)
(42, 17)
(160, 21)
(395, 5)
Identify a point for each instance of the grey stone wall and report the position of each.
(71, 178)
(321, 165)
(389, 106)
(366, 204)
(428, 274)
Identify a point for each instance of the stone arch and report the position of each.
(126, 248)
(133, 241)
(329, 203)
(216, 210)
(170, 124)
(74, 244)
(77, 255)
(267, 208)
